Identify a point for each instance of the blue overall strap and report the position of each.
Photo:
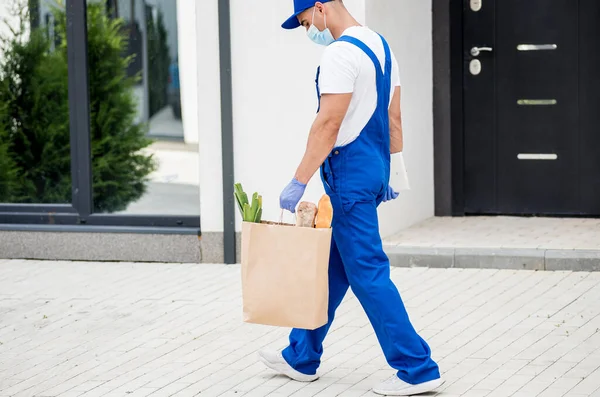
(374, 59)
(366, 50)
(383, 85)
(388, 65)
(388, 57)
(318, 90)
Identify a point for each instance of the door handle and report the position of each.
(475, 51)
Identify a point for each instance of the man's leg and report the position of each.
(306, 347)
(302, 357)
(368, 271)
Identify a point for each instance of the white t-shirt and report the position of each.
(345, 68)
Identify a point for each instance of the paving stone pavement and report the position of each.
(498, 242)
(135, 329)
(502, 232)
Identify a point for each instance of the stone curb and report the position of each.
(494, 258)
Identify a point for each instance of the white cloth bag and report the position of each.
(398, 174)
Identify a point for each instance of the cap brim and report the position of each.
(292, 22)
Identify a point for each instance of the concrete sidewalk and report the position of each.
(122, 329)
(499, 243)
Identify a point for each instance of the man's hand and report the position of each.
(323, 134)
(291, 195)
(390, 194)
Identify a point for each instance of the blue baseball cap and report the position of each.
(299, 7)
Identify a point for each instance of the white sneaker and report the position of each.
(397, 387)
(277, 363)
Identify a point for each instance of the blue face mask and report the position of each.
(322, 38)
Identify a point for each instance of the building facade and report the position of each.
(498, 116)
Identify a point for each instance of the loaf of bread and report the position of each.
(324, 213)
(306, 214)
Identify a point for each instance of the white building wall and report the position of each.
(208, 113)
(274, 103)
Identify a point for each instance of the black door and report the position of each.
(532, 106)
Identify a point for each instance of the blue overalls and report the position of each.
(356, 176)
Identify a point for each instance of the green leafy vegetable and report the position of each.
(250, 211)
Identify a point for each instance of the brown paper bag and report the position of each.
(285, 275)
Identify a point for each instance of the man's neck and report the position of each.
(346, 22)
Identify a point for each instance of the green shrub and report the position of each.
(34, 126)
(35, 120)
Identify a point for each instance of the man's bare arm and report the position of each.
(396, 141)
(323, 134)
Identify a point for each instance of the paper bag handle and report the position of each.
(281, 217)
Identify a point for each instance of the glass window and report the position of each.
(35, 158)
(143, 162)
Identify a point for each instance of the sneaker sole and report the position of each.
(416, 389)
(288, 371)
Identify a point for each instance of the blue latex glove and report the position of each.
(390, 194)
(291, 195)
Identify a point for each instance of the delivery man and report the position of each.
(357, 127)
